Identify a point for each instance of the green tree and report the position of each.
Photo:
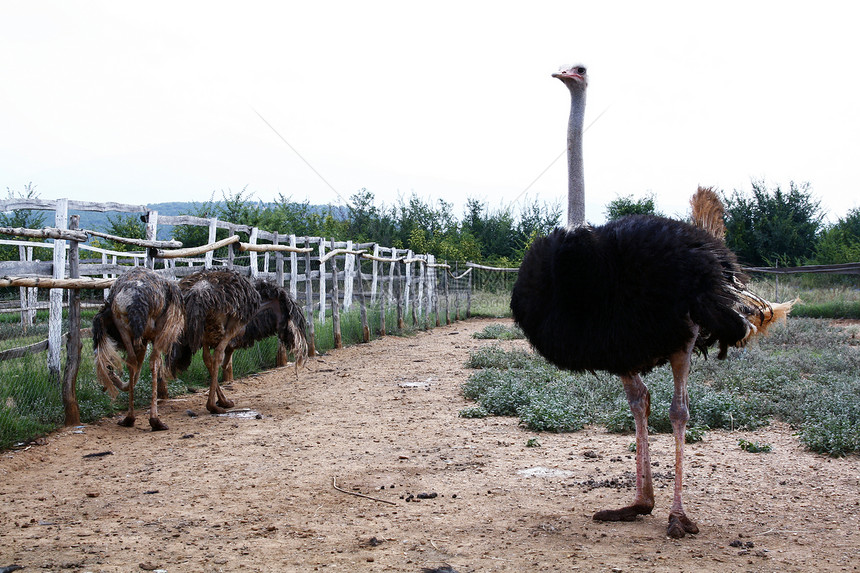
(773, 226)
(20, 218)
(840, 243)
(128, 226)
(194, 235)
(535, 220)
(239, 208)
(290, 218)
(623, 206)
(369, 223)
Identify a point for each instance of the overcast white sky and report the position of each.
(145, 102)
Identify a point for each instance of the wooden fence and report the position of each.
(314, 269)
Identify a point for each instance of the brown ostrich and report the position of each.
(218, 306)
(143, 308)
(280, 315)
(631, 295)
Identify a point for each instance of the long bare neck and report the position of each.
(576, 175)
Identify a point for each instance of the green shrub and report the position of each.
(754, 447)
(474, 412)
(806, 374)
(499, 332)
(493, 356)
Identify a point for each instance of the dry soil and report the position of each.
(255, 491)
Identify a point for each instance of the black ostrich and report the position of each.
(142, 308)
(628, 296)
(218, 306)
(280, 315)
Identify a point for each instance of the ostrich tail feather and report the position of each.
(708, 212)
(108, 360)
(760, 314)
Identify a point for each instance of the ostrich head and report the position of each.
(574, 77)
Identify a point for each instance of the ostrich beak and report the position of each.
(568, 75)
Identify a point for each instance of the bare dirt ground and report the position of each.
(256, 493)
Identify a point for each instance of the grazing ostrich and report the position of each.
(280, 315)
(218, 305)
(628, 296)
(143, 308)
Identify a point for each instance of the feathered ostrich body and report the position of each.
(143, 308)
(624, 296)
(633, 294)
(218, 306)
(280, 315)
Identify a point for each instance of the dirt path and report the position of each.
(255, 493)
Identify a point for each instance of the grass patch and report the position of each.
(491, 304)
(30, 401)
(754, 447)
(806, 373)
(499, 332)
(828, 309)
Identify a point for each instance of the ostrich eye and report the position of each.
(580, 70)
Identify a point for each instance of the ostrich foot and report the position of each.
(215, 409)
(628, 513)
(680, 525)
(157, 425)
(127, 422)
(225, 403)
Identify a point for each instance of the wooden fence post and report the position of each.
(469, 296)
(279, 262)
(322, 282)
(391, 273)
(433, 288)
(294, 269)
(457, 278)
(26, 317)
(348, 275)
(382, 297)
(151, 233)
(213, 230)
(335, 303)
(365, 329)
(74, 345)
(55, 320)
(231, 253)
(419, 297)
(309, 303)
(412, 301)
(105, 275)
(252, 239)
(32, 293)
(397, 292)
(374, 282)
(407, 287)
(445, 274)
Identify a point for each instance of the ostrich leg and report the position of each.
(640, 404)
(214, 389)
(133, 374)
(227, 365)
(679, 414)
(155, 363)
(218, 358)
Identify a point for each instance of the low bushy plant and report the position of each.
(499, 331)
(806, 374)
